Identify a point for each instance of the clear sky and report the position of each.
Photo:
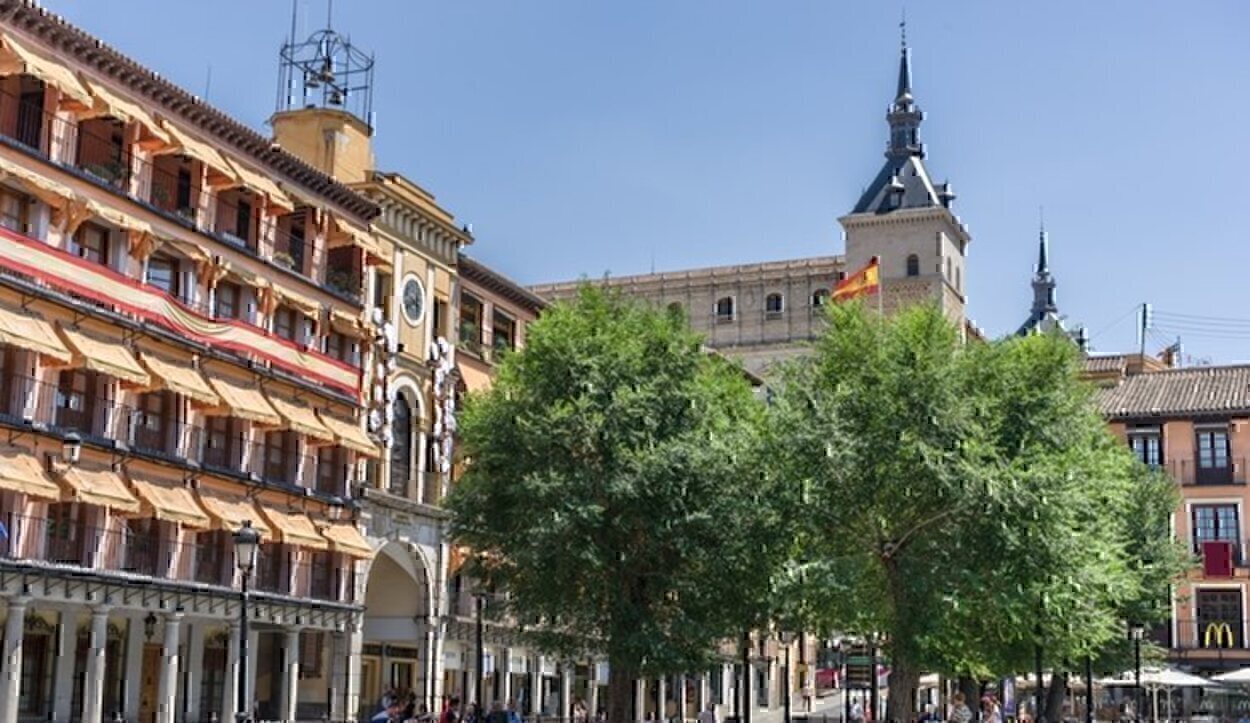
(583, 137)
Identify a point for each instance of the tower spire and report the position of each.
(904, 115)
(1043, 250)
(904, 63)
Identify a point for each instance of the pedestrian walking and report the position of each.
(960, 712)
(708, 714)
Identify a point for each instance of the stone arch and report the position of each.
(400, 603)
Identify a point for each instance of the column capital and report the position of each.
(101, 611)
(175, 617)
(19, 601)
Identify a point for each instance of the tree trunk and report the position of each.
(904, 680)
(1055, 696)
(621, 677)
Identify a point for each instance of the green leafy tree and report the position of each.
(967, 501)
(613, 492)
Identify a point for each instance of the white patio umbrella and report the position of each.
(1156, 679)
(1235, 676)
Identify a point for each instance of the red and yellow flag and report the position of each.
(861, 283)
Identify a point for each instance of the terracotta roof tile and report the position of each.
(1179, 392)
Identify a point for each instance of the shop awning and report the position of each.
(345, 538)
(102, 487)
(47, 70)
(170, 502)
(181, 378)
(122, 109)
(119, 218)
(261, 183)
(295, 528)
(229, 513)
(350, 435)
(109, 358)
(21, 472)
(301, 419)
(243, 402)
(47, 190)
(200, 151)
(32, 333)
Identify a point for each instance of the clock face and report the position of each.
(413, 300)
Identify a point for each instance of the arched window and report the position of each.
(913, 265)
(401, 447)
(774, 304)
(725, 309)
(820, 297)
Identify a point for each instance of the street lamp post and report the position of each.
(246, 540)
(786, 637)
(1136, 631)
(480, 599)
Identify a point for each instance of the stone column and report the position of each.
(592, 690)
(230, 687)
(503, 672)
(253, 662)
(93, 687)
(355, 646)
(338, 675)
(703, 695)
(433, 692)
(194, 668)
(134, 666)
(536, 687)
(661, 698)
(566, 690)
(681, 698)
(640, 699)
(167, 682)
(63, 674)
(290, 675)
(11, 665)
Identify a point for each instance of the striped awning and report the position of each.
(21, 472)
(262, 184)
(171, 502)
(201, 152)
(46, 69)
(229, 512)
(349, 434)
(100, 486)
(345, 538)
(181, 378)
(33, 333)
(295, 528)
(108, 102)
(109, 358)
(302, 420)
(243, 402)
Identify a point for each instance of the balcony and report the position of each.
(1189, 472)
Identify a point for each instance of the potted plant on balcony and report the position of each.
(283, 259)
(187, 212)
(341, 281)
(110, 172)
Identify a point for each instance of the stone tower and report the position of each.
(905, 220)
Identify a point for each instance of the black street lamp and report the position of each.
(480, 601)
(1136, 631)
(246, 540)
(786, 637)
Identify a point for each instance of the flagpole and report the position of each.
(880, 287)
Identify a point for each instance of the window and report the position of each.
(223, 443)
(213, 680)
(227, 301)
(725, 309)
(76, 393)
(68, 535)
(321, 578)
(471, 316)
(14, 210)
(1214, 523)
(35, 674)
(401, 448)
(1219, 619)
(820, 297)
(91, 242)
(163, 274)
(331, 470)
(440, 318)
(1146, 443)
(272, 572)
(285, 322)
(143, 551)
(281, 450)
(153, 421)
(774, 304)
(382, 294)
(1213, 466)
(503, 332)
(913, 265)
(339, 346)
(210, 557)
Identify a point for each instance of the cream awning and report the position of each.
(306, 306)
(350, 435)
(295, 528)
(127, 111)
(357, 236)
(229, 513)
(45, 189)
(33, 334)
(181, 379)
(21, 472)
(170, 502)
(243, 402)
(346, 323)
(262, 184)
(109, 358)
(48, 70)
(345, 538)
(301, 419)
(102, 487)
(119, 218)
(194, 252)
(200, 151)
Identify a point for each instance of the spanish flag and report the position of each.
(861, 283)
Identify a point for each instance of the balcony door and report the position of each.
(1219, 619)
(1213, 455)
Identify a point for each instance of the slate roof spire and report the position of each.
(1044, 315)
(904, 115)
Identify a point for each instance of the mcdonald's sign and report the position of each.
(1221, 634)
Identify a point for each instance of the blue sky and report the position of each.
(584, 137)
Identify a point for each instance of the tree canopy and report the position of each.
(614, 490)
(965, 500)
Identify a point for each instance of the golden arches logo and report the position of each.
(1221, 633)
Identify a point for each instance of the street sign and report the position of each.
(860, 668)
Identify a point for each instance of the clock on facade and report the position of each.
(413, 300)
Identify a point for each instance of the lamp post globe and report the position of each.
(246, 542)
